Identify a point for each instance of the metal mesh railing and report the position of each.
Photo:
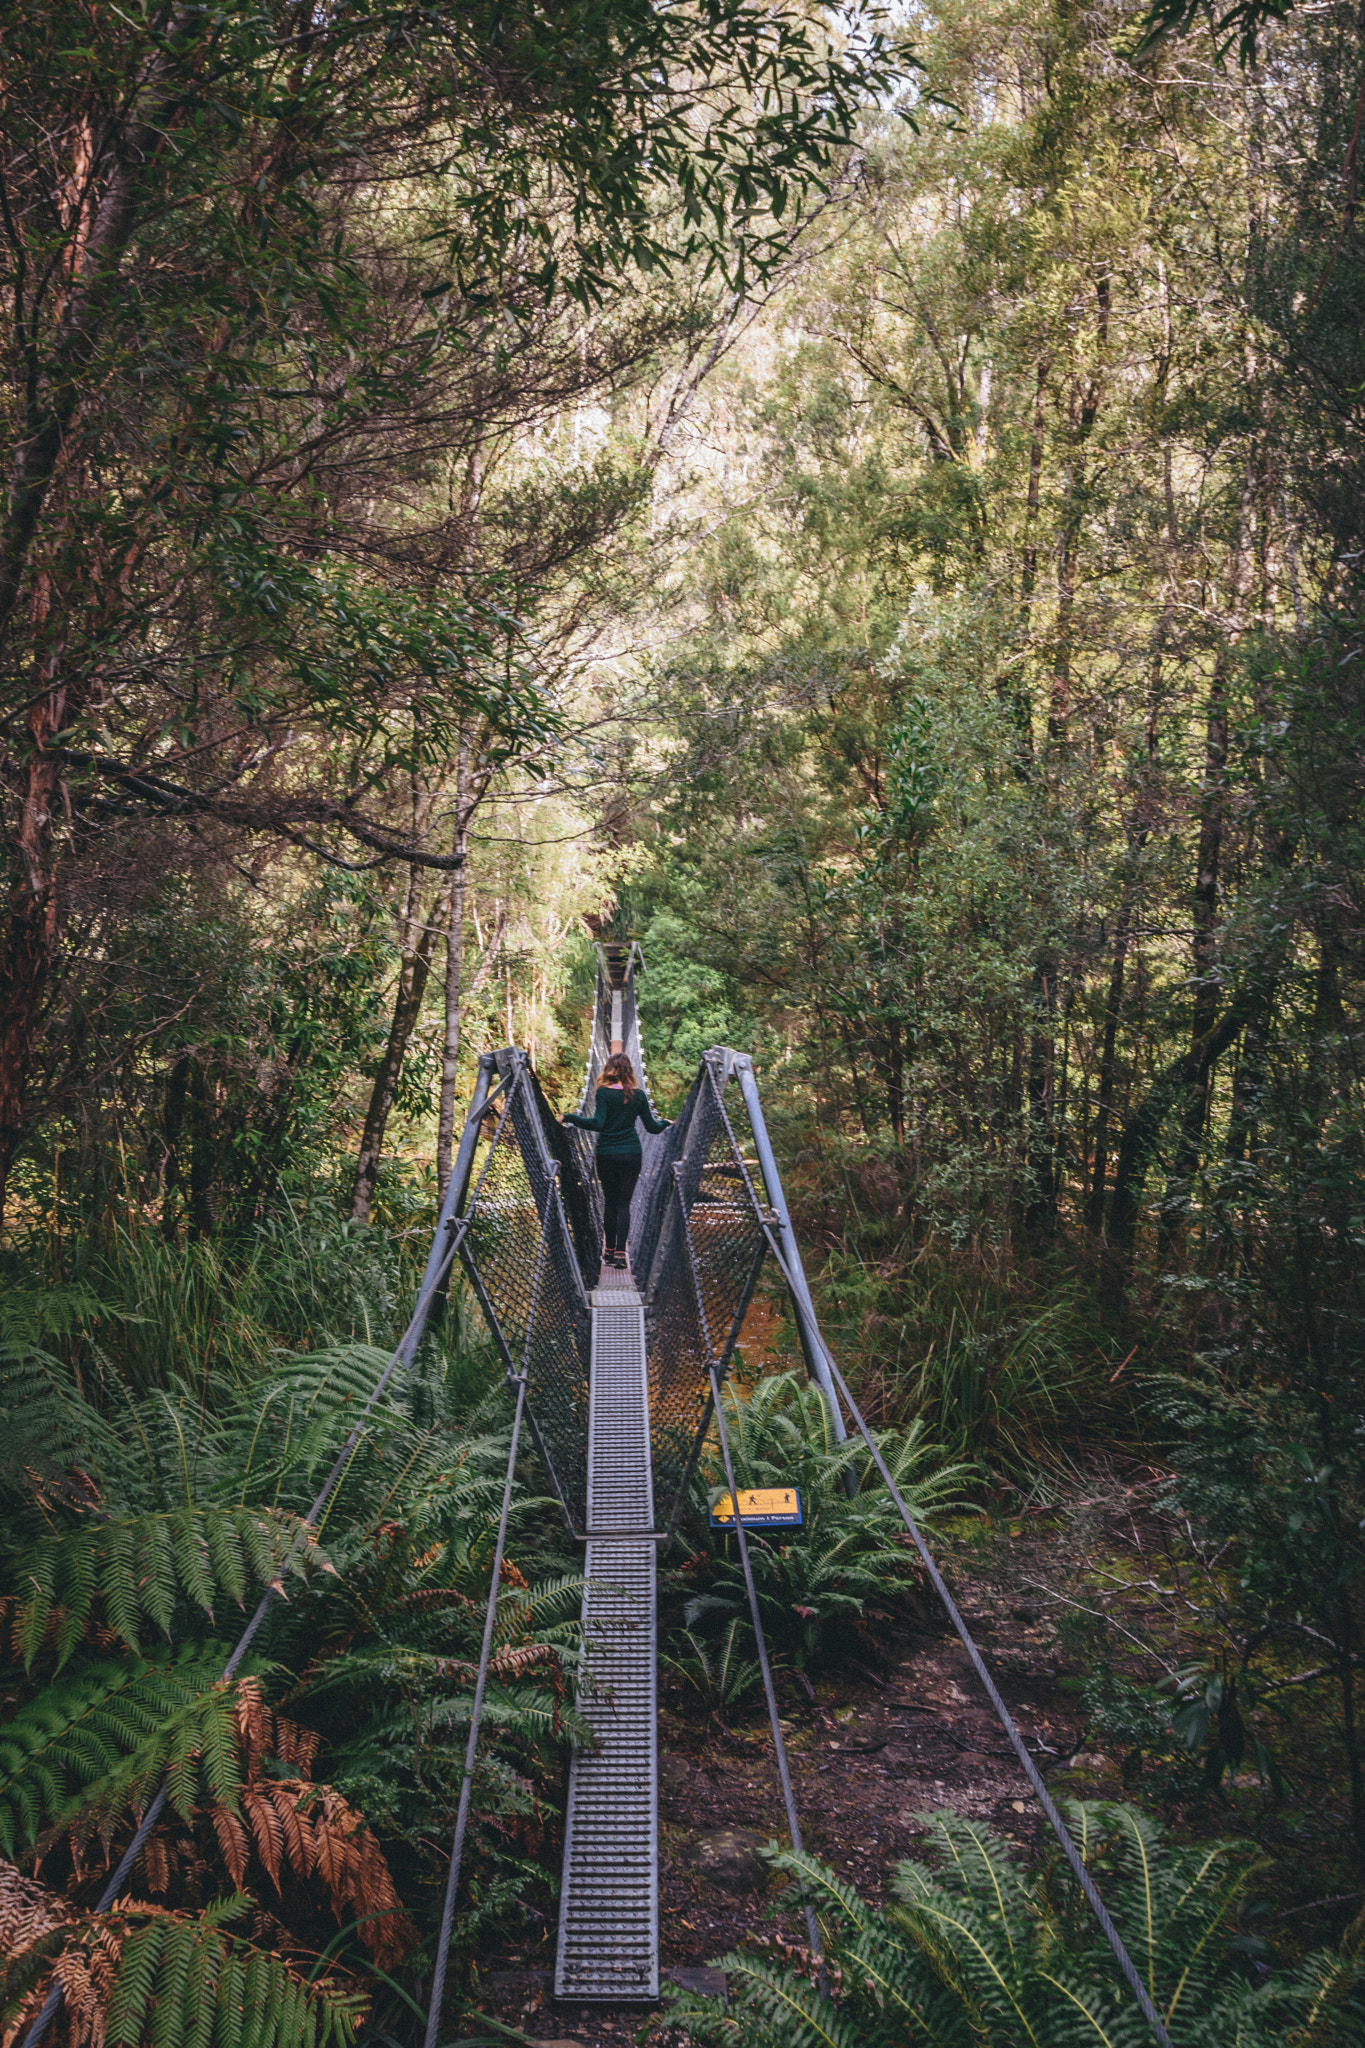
(708, 1244)
(533, 1249)
(529, 1239)
(528, 1245)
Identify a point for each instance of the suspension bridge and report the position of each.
(618, 1378)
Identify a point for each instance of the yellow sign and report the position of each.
(764, 1507)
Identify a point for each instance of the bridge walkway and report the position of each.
(609, 1914)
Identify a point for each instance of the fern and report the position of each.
(815, 1582)
(184, 1982)
(719, 1676)
(976, 1953)
(93, 1742)
(150, 1978)
(140, 1568)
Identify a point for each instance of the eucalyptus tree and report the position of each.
(260, 266)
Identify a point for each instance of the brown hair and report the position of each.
(618, 1068)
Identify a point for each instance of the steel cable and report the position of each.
(438, 1975)
(746, 1566)
(437, 1268)
(1006, 1719)
(780, 1747)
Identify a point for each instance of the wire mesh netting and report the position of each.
(529, 1243)
(533, 1250)
(707, 1247)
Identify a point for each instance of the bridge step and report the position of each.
(609, 1898)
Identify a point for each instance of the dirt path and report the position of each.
(1050, 1598)
(866, 1758)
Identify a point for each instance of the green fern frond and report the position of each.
(186, 1983)
(142, 1567)
(779, 2010)
(92, 1742)
(978, 1954)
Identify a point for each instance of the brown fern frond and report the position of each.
(296, 1745)
(266, 1832)
(426, 1598)
(28, 1910)
(86, 1973)
(156, 1864)
(513, 1663)
(299, 1845)
(353, 1866)
(254, 1722)
(511, 1575)
(232, 1840)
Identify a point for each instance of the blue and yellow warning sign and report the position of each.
(764, 1507)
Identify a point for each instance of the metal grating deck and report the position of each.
(609, 1898)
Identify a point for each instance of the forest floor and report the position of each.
(876, 1749)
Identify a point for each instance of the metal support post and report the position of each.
(453, 1201)
(788, 1253)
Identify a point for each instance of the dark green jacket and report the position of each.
(615, 1120)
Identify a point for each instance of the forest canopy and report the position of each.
(869, 504)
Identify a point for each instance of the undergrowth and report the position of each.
(172, 1411)
(980, 1951)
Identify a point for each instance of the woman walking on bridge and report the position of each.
(619, 1156)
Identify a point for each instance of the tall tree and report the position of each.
(259, 266)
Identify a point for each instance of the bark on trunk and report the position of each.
(450, 1052)
(1113, 1009)
(1208, 861)
(28, 945)
(419, 940)
(1142, 1128)
(1040, 1211)
(54, 397)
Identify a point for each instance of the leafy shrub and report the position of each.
(979, 1953)
(844, 1573)
(715, 1672)
(1000, 1374)
(145, 1503)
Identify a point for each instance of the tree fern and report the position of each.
(978, 1953)
(141, 1568)
(186, 1982)
(94, 1741)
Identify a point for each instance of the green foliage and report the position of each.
(1270, 1581)
(141, 1567)
(685, 1005)
(837, 1577)
(99, 1741)
(189, 1982)
(977, 1952)
(715, 1672)
(1011, 1372)
(135, 1505)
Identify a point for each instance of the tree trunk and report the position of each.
(1142, 1126)
(31, 931)
(203, 1153)
(1213, 812)
(1113, 1010)
(1040, 1211)
(172, 1127)
(450, 1053)
(412, 984)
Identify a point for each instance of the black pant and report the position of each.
(618, 1177)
